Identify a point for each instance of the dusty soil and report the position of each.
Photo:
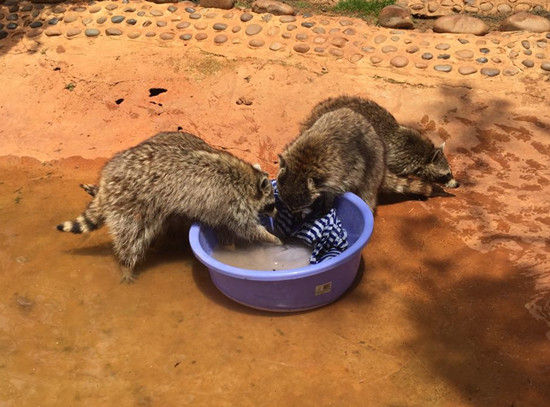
(453, 305)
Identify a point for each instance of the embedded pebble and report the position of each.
(256, 43)
(117, 19)
(301, 37)
(229, 16)
(35, 24)
(133, 35)
(484, 50)
(336, 52)
(111, 7)
(319, 40)
(527, 52)
(101, 20)
(339, 41)
(201, 26)
(307, 24)
(443, 56)
(91, 32)
(211, 15)
(379, 39)
(463, 41)
(113, 31)
(301, 48)
(388, 48)
(147, 23)
(167, 36)
(131, 21)
(526, 44)
(141, 13)
(467, 70)
(286, 35)
(195, 16)
(69, 19)
(490, 71)
(246, 17)
(172, 9)
(276, 46)
(545, 66)
(150, 34)
(253, 29)
(427, 55)
(54, 21)
(319, 30)
(190, 10)
(71, 32)
(3, 34)
(465, 54)
(510, 71)
(94, 9)
(156, 13)
(319, 50)
(368, 50)
(442, 46)
(185, 37)
(528, 63)
(271, 31)
(291, 27)
(12, 17)
(11, 26)
(33, 32)
(482, 60)
(287, 19)
(183, 25)
(399, 61)
(375, 60)
(412, 49)
(443, 68)
(219, 26)
(345, 22)
(236, 29)
(496, 60)
(220, 38)
(201, 36)
(355, 57)
(52, 32)
(161, 23)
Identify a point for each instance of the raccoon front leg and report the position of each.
(253, 231)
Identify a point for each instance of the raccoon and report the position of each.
(408, 153)
(174, 174)
(340, 152)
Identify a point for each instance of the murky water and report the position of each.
(264, 256)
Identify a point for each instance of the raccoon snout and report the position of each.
(453, 183)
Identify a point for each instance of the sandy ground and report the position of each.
(453, 306)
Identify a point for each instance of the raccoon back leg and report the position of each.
(131, 240)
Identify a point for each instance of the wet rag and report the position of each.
(325, 235)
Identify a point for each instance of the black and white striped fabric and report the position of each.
(325, 235)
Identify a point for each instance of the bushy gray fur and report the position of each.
(174, 174)
(407, 151)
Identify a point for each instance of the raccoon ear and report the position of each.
(442, 146)
(263, 184)
(436, 154)
(282, 162)
(257, 166)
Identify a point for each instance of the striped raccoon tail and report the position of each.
(90, 220)
(412, 186)
(90, 188)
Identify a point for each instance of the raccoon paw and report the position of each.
(128, 276)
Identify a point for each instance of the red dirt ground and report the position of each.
(453, 307)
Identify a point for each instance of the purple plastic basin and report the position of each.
(295, 289)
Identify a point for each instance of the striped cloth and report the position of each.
(325, 235)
